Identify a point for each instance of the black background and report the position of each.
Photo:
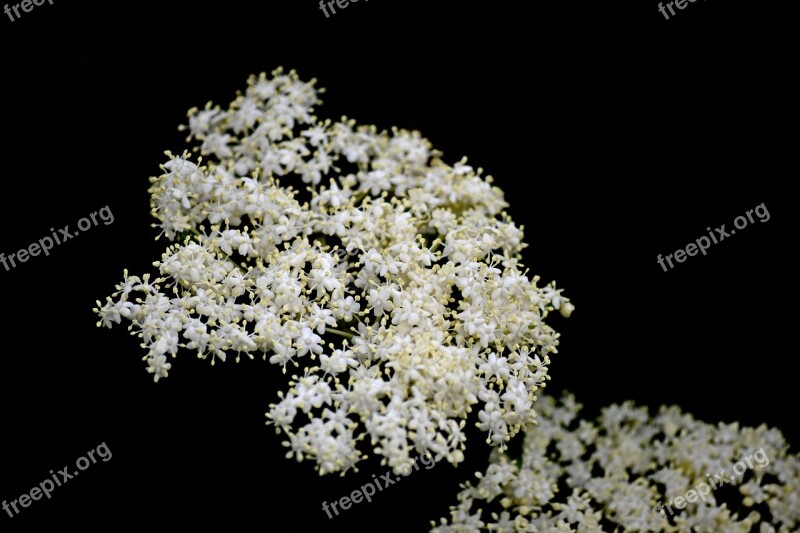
(617, 135)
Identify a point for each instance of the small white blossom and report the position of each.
(158, 366)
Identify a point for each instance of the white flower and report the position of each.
(608, 480)
(393, 292)
(380, 300)
(338, 361)
(308, 341)
(158, 366)
(321, 317)
(347, 308)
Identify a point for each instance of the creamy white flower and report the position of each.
(158, 366)
(385, 282)
(612, 475)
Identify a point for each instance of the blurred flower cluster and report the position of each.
(618, 473)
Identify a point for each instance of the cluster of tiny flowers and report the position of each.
(388, 282)
(619, 473)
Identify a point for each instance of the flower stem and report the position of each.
(339, 332)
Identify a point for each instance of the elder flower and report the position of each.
(627, 471)
(384, 281)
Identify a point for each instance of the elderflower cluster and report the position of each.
(386, 280)
(616, 475)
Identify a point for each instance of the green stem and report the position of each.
(340, 332)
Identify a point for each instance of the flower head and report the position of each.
(634, 472)
(385, 282)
